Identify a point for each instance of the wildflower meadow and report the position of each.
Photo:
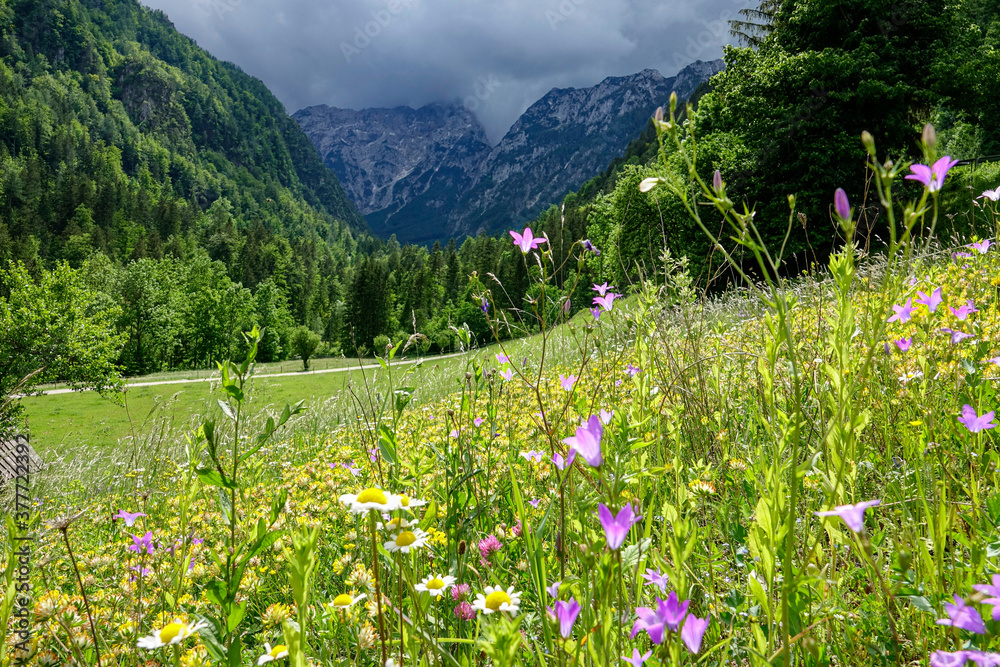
(801, 470)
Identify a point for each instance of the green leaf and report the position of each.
(209, 637)
(213, 477)
(630, 554)
(758, 593)
(225, 505)
(236, 616)
(387, 444)
(226, 410)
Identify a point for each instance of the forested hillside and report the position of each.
(184, 194)
(786, 116)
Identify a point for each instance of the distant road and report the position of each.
(345, 369)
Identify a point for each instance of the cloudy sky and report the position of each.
(495, 56)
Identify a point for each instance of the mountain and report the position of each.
(400, 164)
(430, 174)
(120, 135)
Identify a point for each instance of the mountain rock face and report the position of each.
(430, 173)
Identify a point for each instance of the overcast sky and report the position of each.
(496, 56)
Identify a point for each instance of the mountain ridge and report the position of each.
(459, 184)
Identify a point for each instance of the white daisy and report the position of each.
(407, 540)
(435, 585)
(408, 503)
(497, 599)
(172, 633)
(371, 499)
(343, 601)
(277, 653)
(394, 525)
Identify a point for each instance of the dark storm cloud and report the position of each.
(498, 56)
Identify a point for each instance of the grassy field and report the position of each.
(63, 421)
(70, 422)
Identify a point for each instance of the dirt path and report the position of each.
(345, 369)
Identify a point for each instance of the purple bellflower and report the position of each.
(932, 177)
(902, 313)
(962, 616)
(616, 527)
(566, 613)
(587, 441)
(128, 517)
(976, 423)
(852, 515)
(932, 302)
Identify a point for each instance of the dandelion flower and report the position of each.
(172, 633)
(435, 585)
(270, 654)
(498, 599)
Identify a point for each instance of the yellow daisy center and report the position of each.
(373, 496)
(168, 633)
(405, 538)
(278, 649)
(394, 524)
(404, 500)
(342, 600)
(435, 583)
(494, 600)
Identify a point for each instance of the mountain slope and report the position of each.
(429, 174)
(399, 163)
(119, 134)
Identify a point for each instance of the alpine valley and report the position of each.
(430, 174)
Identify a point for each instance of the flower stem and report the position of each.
(86, 603)
(378, 587)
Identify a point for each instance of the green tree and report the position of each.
(305, 342)
(53, 329)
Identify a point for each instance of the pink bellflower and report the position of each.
(562, 462)
(526, 241)
(841, 204)
(993, 591)
(693, 632)
(567, 382)
(636, 660)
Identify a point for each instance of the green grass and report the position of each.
(63, 421)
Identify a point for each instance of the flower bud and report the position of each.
(929, 136)
(791, 202)
(658, 116)
(673, 102)
(717, 183)
(869, 141)
(841, 205)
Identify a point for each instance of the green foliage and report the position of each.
(305, 343)
(53, 329)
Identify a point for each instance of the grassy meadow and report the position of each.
(799, 472)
